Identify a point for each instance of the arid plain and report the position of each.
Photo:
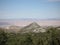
(27, 22)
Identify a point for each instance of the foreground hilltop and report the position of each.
(33, 27)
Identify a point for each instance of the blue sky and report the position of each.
(36, 9)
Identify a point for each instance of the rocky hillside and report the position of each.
(33, 27)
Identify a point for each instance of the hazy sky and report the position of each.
(38, 9)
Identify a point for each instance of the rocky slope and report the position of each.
(33, 27)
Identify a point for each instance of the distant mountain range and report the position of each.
(23, 22)
(29, 19)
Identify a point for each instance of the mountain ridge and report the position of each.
(33, 27)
